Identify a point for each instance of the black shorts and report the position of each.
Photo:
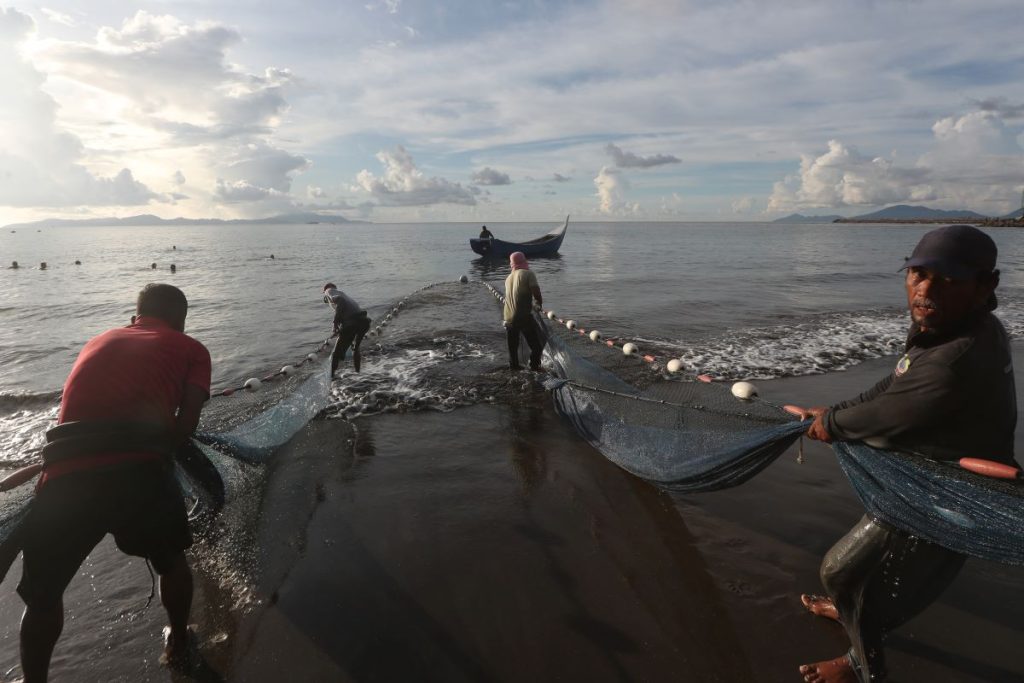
(140, 504)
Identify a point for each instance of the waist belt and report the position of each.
(74, 439)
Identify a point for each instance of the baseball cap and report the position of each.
(958, 251)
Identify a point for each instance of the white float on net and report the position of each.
(252, 384)
(288, 370)
(595, 335)
(630, 349)
(674, 365)
(744, 390)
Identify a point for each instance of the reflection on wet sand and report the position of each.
(433, 557)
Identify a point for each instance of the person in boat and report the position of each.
(950, 396)
(350, 324)
(134, 395)
(486, 234)
(521, 290)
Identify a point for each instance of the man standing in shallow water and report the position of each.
(521, 289)
(133, 396)
(350, 324)
(950, 396)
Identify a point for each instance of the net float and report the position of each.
(595, 335)
(990, 468)
(744, 390)
(252, 384)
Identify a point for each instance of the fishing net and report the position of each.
(695, 436)
(687, 436)
(250, 422)
(939, 501)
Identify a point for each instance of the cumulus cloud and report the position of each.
(974, 162)
(489, 176)
(405, 185)
(630, 160)
(314, 192)
(843, 177)
(40, 164)
(743, 205)
(169, 85)
(243, 191)
(611, 187)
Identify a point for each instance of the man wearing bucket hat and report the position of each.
(950, 396)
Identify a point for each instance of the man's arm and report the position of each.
(922, 396)
(188, 413)
(536, 295)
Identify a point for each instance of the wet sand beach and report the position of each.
(490, 543)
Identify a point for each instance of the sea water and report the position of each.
(737, 300)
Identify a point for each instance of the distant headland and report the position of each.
(902, 213)
(149, 219)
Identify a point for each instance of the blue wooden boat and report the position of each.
(542, 246)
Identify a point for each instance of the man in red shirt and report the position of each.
(133, 396)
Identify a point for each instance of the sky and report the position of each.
(469, 110)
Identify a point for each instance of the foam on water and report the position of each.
(405, 379)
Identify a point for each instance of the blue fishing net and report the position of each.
(938, 501)
(692, 436)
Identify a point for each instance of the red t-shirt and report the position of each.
(132, 374)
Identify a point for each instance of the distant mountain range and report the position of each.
(149, 219)
(905, 212)
(900, 212)
(800, 218)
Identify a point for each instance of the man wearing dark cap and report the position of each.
(951, 395)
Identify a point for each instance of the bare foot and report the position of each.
(820, 606)
(836, 670)
(178, 652)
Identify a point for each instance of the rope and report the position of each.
(690, 406)
(627, 348)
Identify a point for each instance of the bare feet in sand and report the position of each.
(820, 606)
(836, 670)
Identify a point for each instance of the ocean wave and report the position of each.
(814, 345)
(19, 401)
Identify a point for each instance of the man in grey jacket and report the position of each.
(350, 324)
(950, 396)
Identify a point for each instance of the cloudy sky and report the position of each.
(409, 110)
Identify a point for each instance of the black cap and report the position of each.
(958, 251)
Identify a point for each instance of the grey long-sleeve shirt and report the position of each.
(345, 306)
(950, 396)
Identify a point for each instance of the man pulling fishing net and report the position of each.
(950, 396)
(133, 397)
(350, 324)
(521, 290)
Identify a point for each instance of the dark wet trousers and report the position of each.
(351, 334)
(528, 328)
(879, 578)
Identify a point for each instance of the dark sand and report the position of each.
(490, 543)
